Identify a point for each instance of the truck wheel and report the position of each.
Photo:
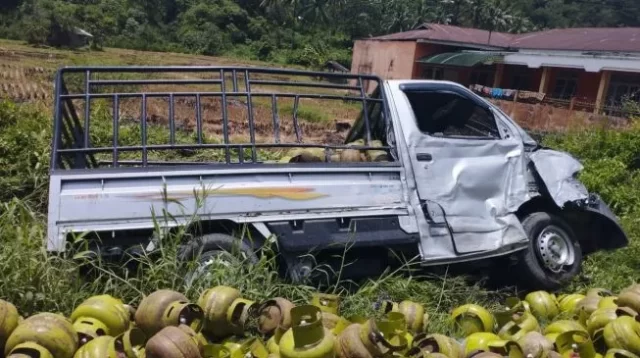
(554, 256)
(208, 249)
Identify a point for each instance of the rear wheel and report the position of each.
(554, 256)
(215, 249)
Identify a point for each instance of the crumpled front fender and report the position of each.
(558, 172)
(592, 219)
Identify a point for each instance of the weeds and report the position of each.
(307, 112)
(36, 281)
(25, 140)
(611, 168)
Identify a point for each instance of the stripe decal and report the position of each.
(261, 193)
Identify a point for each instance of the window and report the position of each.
(521, 78)
(432, 73)
(623, 86)
(566, 85)
(479, 78)
(451, 115)
(521, 81)
(482, 76)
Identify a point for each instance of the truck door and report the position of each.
(467, 164)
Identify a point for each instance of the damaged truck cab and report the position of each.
(486, 188)
(460, 181)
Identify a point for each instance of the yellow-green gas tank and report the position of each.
(307, 338)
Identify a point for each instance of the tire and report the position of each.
(207, 248)
(554, 256)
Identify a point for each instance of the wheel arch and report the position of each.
(595, 228)
(595, 231)
(537, 204)
(256, 234)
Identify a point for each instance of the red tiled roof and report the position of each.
(449, 33)
(623, 39)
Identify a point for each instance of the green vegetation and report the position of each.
(303, 32)
(308, 113)
(612, 168)
(35, 281)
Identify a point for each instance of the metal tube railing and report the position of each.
(72, 138)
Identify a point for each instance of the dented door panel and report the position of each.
(478, 183)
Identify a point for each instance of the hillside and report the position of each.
(27, 75)
(304, 32)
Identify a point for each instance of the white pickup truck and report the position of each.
(457, 181)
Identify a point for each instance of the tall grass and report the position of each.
(36, 281)
(611, 162)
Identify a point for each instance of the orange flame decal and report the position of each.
(266, 193)
(262, 193)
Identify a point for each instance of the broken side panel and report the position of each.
(558, 171)
(465, 165)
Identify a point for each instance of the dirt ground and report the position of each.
(27, 75)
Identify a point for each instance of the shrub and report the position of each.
(610, 161)
(36, 281)
(24, 152)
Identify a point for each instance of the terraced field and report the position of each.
(27, 75)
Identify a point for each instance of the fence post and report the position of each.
(603, 88)
(514, 105)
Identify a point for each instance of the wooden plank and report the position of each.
(544, 81)
(603, 88)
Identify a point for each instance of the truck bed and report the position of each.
(122, 184)
(107, 201)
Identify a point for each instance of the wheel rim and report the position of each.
(201, 270)
(555, 249)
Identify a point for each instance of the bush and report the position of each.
(36, 281)
(24, 152)
(610, 161)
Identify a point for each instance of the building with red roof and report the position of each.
(582, 65)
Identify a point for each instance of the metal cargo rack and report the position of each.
(72, 146)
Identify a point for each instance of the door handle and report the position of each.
(424, 157)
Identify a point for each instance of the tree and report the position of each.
(8, 5)
(48, 21)
(292, 31)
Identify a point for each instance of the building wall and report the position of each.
(511, 71)
(397, 60)
(551, 81)
(422, 50)
(588, 83)
(506, 73)
(386, 59)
